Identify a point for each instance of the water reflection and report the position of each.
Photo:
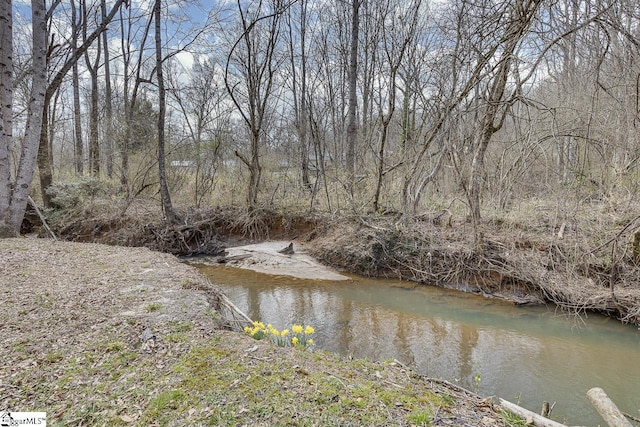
(525, 355)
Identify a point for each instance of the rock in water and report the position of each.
(288, 250)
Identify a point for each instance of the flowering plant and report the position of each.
(298, 336)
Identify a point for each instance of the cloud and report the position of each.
(186, 59)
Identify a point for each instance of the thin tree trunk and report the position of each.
(162, 175)
(94, 145)
(300, 96)
(124, 144)
(77, 121)
(45, 167)
(352, 126)
(255, 171)
(108, 130)
(304, 113)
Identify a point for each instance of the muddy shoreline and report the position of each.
(521, 264)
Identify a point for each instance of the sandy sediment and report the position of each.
(266, 258)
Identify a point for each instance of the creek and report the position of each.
(522, 354)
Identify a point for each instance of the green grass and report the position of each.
(420, 418)
(214, 382)
(512, 419)
(154, 306)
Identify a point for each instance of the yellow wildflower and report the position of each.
(275, 332)
(296, 329)
(309, 330)
(294, 340)
(310, 341)
(284, 332)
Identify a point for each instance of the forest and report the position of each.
(339, 106)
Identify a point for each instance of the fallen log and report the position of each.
(606, 408)
(531, 417)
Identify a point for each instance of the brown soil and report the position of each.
(506, 262)
(106, 335)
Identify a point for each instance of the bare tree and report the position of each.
(352, 126)
(162, 105)
(299, 85)
(92, 67)
(205, 115)
(45, 166)
(131, 86)
(519, 18)
(108, 95)
(395, 42)
(254, 56)
(76, 24)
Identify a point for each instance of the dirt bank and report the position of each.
(526, 267)
(580, 265)
(103, 335)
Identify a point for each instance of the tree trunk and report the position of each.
(255, 172)
(303, 118)
(352, 126)
(94, 145)
(35, 111)
(162, 175)
(77, 120)
(300, 93)
(108, 129)
(128, 111)
(45, 167)
(6, 115)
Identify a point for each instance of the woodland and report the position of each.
(511, 123)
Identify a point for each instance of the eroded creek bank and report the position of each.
(515, 264)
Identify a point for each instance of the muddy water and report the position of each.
(524, 355)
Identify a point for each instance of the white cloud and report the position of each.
(185, 59)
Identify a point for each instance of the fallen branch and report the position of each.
(537, 420)
(44, 221)
(631, 417)
(606, 408)
(620, 233)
